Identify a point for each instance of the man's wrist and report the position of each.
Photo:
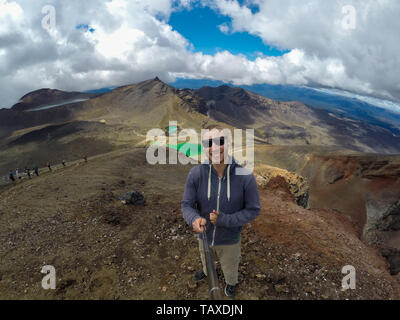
(194, 219)
(219, 222)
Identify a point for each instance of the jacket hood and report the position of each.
(232, 163)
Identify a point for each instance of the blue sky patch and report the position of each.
(252, 6)
(200, 26)
(85, 27)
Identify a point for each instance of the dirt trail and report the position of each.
(101, 249)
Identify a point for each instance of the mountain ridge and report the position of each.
(275, 122)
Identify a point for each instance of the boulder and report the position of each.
(273, 178)
(133, 197)
(382, 230)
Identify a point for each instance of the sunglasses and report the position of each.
(218, 141)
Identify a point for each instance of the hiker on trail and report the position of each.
(220, 200)
(49, 166)
(85, 157)
(11, 176)
(36, 169)
(28, 172)
(63, 163)
(17, 174)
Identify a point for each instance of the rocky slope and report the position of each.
(101, 249)
(363, 187)
(297, 185)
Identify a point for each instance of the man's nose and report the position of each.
(215, 149)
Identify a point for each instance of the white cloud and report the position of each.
(132, 41)
(224, 28)
(364, 59)
(129, 45)
(9, 10)
(381, 103)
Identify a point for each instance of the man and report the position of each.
(36, 169)
(28, 172)
(11, 176)
(221, 202)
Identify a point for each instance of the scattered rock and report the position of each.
(111, 218)
(281, 288)
(133, 197)
(297, 256)
(192, 285)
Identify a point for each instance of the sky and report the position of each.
(350, 45)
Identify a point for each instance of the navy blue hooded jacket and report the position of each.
(239, 201)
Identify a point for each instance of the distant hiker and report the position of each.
(17, 174)
(85, 157)
(36, 169)
(28, 172)
(63, 163)
(220, 201)
(11, 176)
(48, 166)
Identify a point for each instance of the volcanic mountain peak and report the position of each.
(154, 85)
(43, 91)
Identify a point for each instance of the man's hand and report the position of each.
(214, 217)
(199, 225)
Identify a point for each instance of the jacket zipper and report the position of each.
(219, 192)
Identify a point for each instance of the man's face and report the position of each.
(216, 153)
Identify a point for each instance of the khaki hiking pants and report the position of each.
(229, 258)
